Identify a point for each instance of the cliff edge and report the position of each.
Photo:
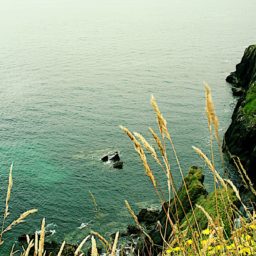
(240, 138)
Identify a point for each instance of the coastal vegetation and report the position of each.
(191, 221)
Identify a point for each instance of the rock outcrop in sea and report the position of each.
(240, 138)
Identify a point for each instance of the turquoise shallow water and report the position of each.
(72, 72)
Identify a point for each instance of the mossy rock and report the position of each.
(220, 210)
(249, 107)
(179, 206)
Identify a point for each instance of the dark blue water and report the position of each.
(72, 71)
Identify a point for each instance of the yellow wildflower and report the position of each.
(209, 248)
(173, 249)
(189, 242)
(204, 242)
(231, 246)
(176, 249)
(206, 232)
(218, 247)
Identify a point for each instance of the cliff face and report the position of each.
(240, 138)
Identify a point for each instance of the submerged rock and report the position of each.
(114, 157)
(118, 165)
(240, 138)
(104, 158)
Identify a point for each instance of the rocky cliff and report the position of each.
(240, 138)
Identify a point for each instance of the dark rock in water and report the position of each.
(148, 216)
(118, 165)
(240, 138)
(104, 158)
(23, 238)
(115, 157)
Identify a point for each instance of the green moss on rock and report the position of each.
(179, 207)
(250, 103)
(225, 198)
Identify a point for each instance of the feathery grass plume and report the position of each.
(150, 149)
(158, 142)
(212, 120)
(210, 165)
(21, 219)
(80, 246)
(42, 237)
(102, 239)
(210, 112)
(94, 251)
(162, 124)
(36, 244)
(148, 171)
(61, 248)
(113, 251)
(142, 155)
(167, 169)
(8, 196)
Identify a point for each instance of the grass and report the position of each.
(250, 103)
(211, 225)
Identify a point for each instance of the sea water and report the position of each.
(71, 72)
